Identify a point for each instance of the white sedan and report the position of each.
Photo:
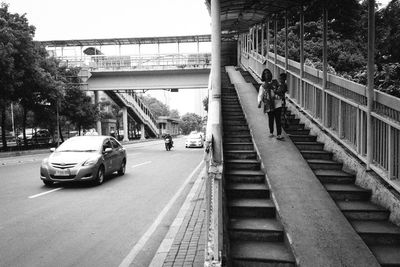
(194, 140)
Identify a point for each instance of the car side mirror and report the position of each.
(52, 149)
(108, 150)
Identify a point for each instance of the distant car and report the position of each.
(84, 158)
(194, 140)
(38, 136)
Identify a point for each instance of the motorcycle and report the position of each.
(168, 143)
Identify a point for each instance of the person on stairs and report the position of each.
(271, 96)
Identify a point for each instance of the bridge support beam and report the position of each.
(142, 132)
(96, 102)
(125, 123)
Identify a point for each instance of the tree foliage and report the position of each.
(156, 106)
(190, 122)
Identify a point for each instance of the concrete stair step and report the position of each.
(257, 254)
(229, 122)
(242, 164)
(316, 154)
(251, 207)
(377, 232)
(233, 133)
(245, 176)
(334, 177)
(292, 126)
(248, 190)
(363, 210)
(240, 154)
(347, 192)
(238, 138)
(298, 132)
(255, 229)
(239, 146)
(324, 164)
(387, 256)
(314, 146)
(302, 138)
(234, 128)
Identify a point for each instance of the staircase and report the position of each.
(369, 220)
(256, 236)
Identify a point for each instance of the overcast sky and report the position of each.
(87, 19)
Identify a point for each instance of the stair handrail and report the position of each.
(147, 116)
(214, 168)
(347, 95)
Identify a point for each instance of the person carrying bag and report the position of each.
(270, 95)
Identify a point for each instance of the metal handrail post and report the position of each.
(370, 103)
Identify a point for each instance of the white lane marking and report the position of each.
(140, 164)
(146, 236)
(47, 192)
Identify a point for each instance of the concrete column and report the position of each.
(370, 94)
(325, 63)
(142, 132)
(125, 123)
(96, 102)
(262, 39)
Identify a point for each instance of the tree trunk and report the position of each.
(3, 127)
(24, 115)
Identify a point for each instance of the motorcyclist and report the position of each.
(168, 136)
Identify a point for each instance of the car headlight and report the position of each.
(90, 161)
(45, 161)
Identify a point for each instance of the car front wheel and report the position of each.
(121, 170)
(100, 176)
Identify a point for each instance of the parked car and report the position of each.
(34, 136)
(194, 140)
(84, 158)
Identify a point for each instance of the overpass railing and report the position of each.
(141, 62)
(344, 111)
(132, 99)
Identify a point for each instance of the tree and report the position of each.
(190, 122)
(174, 113)
(156, 106)
(205, 103)
(78, 106)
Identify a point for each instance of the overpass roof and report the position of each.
(240, 15)
(129, 41)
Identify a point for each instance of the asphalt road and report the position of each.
(85, 225)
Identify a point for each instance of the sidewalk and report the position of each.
(184, 243)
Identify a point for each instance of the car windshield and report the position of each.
(81, 144)
(195, 136)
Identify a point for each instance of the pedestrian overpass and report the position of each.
(119, 76)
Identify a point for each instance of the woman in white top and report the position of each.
(271, 96)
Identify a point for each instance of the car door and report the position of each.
(118, 154)
(108, 157)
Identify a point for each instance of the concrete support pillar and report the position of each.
(142, 132)
(96, 102)
(262, 39)
(325, 63)
(125, 123)
(371, 68)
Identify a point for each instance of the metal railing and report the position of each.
(140, 62)
(132, 100)
(344, 113)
